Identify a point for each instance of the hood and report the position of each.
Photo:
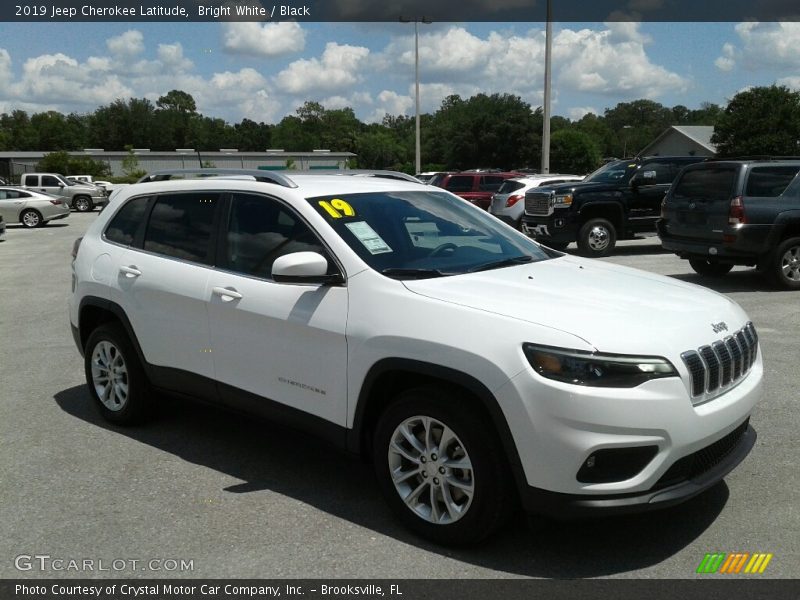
(578, 187)
(613, 308)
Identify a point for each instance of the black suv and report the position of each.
(736, 212)
(621, 199)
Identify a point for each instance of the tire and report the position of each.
(31, 218)
(785, 268)
(597, 237)
(445, 504)
(83, 204)
(130, 402)
(709, 268)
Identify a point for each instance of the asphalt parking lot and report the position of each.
(241, 498)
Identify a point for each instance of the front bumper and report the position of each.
(558, 227)
(565, 506)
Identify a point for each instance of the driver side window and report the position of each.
(261, 230)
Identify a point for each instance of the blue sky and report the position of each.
(265, 71)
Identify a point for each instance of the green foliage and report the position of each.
(130, 166)
(62, 162)
(761, 120)
(573, 151)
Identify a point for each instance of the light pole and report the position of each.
(625, 141)
(417, 150)
(548, 45)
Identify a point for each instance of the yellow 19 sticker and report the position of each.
(336, 207)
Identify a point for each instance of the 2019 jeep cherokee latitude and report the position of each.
(403, 324)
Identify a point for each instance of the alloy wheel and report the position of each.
(110, 376)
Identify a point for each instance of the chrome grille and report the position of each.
(716, 368)
(538, 203)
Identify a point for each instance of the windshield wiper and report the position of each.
(412, 273)
(498, 264)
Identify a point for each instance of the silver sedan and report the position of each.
(32, 209)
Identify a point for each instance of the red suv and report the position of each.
(476, 187)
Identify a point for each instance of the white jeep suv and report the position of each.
(471, 365)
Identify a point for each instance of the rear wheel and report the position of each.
(441, 469)
(597, 237)
(116, 379)
(709, 268)
(785, 268)
(31, 218)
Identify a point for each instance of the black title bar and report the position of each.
(375, 11)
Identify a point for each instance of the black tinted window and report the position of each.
(706, 184)
(261, 230)
(50, 181)
(664, 172)
(769, 181)
(509, 185)
(491, 183)
(459, 183)
(125, 223)
(180, 226)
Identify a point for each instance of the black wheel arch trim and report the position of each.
(356, 437)
(116, 310)
(612, 205)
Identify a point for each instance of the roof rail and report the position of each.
(198, 173)
(361, 173)
(764, 157)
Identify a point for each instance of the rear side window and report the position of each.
(30, 180)
(459, 183)
(706, 184)
(509, 186)
(769, 182)
(491, 183)
(181, 225)
(125, 224)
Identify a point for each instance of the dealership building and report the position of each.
(14, 163)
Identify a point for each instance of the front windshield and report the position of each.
(614, 172)
(419, 234)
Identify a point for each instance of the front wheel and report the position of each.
(116, 379)
(709, 268)
(785, 269)
(597, 237)
(441, 469)
(83, 204)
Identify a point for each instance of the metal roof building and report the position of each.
(14, 163)
(682, 140)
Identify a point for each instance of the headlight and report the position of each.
(565, 200)
(593, 369)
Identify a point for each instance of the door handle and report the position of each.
(227, 294)
(130, 272)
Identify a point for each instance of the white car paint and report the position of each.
(328, 337)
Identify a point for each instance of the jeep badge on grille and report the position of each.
(721, 326)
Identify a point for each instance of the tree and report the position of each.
(176, 111)
(761, 120)
(130, 166)
(66, 164)
(573, 151)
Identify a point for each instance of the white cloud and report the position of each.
(338, 68)
(578, 112)
(256, 39)
(727, 61)
(171, 56)
(770, 44)
(126, 45)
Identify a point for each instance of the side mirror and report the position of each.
(303, 267)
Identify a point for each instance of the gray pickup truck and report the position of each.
(81, 197)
